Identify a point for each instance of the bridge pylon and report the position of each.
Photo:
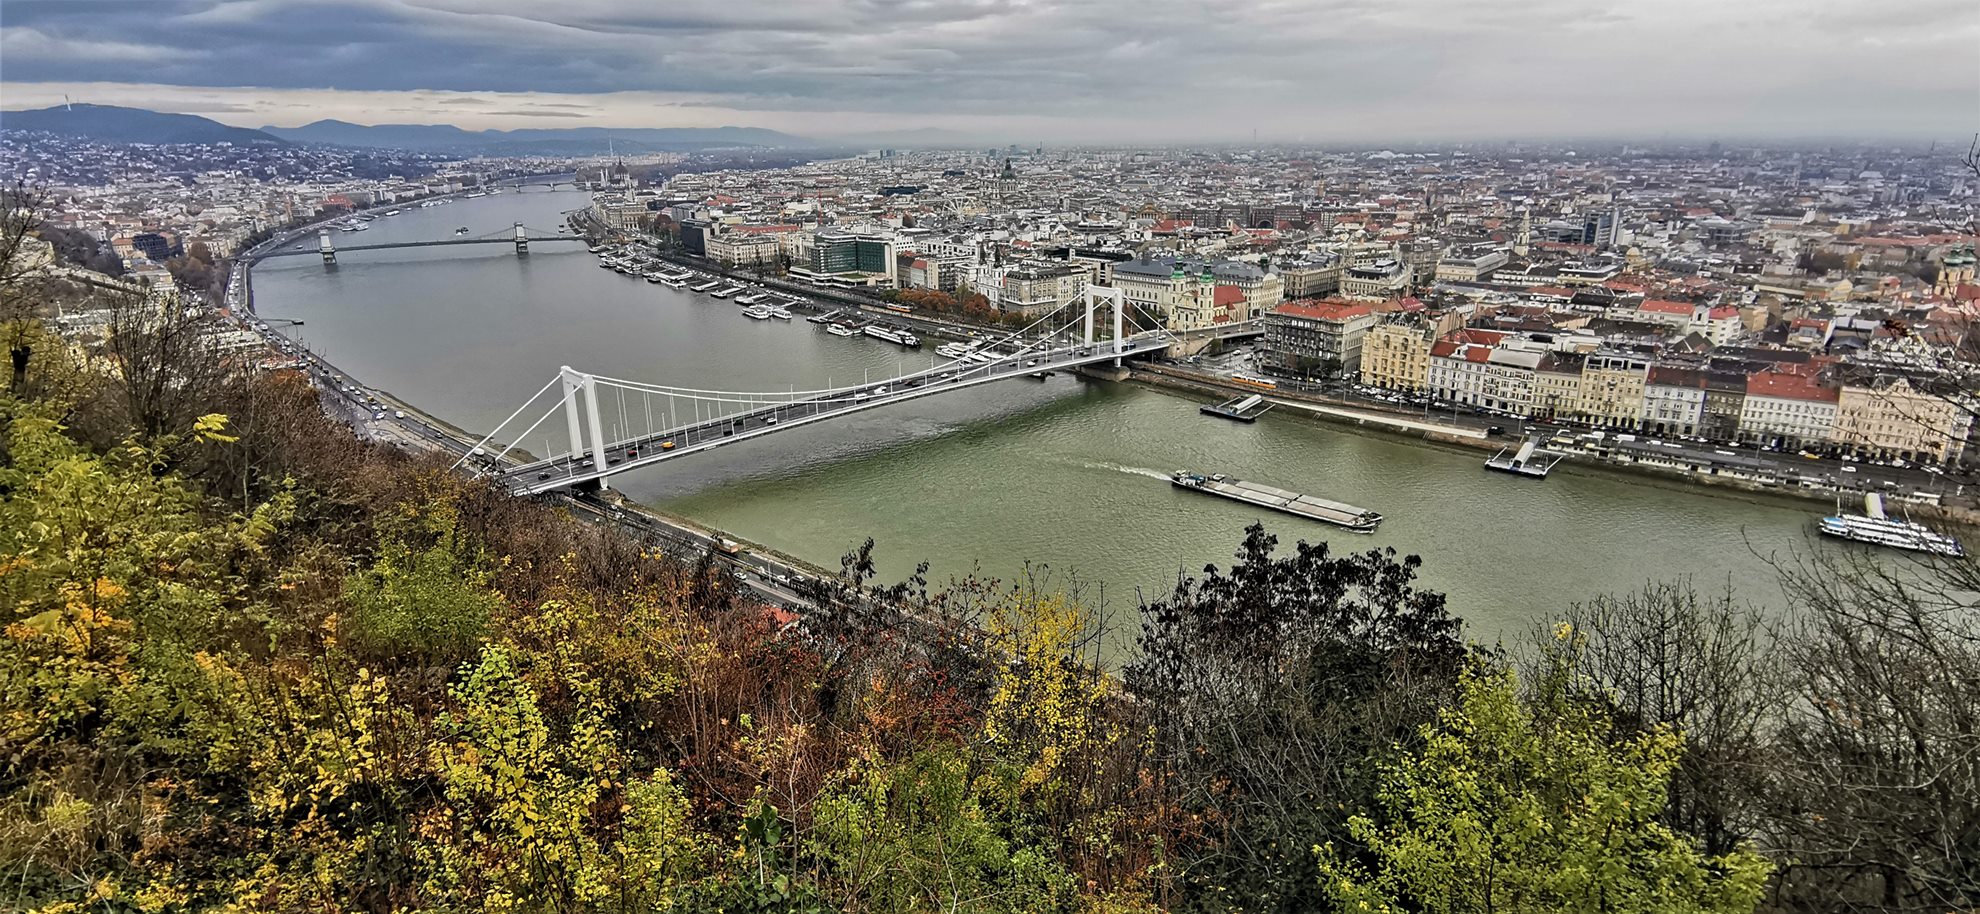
(1094, 295)
(522, 240)
(576, 382)
(326, 247)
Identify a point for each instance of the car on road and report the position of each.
(398, 414)
(742, 575)
(377, 415)
(666, 445)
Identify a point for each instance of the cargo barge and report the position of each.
(1345, 516)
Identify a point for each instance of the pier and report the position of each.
(1529, 461)
(1238, 409)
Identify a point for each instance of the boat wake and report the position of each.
(1120, 468)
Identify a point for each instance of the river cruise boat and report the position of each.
(840, 330)
(1879, 529)
(779, 313)
(756, 313)
(891, 335)
(1340, 514)
(956, 350)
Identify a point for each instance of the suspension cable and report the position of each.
(512, 417)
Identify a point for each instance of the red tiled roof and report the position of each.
(1228, 295)
(1784, 386)
(1322, 310)
(1660, 306)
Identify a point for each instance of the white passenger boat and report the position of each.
(840, 330)
(891, 335)
(756, 313)
(1877, 528)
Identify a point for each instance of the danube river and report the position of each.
(1065, 474)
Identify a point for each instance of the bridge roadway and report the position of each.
(645, 450)
(509, 239)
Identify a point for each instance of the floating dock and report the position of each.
(1529, 461)
(1238, 409)
(1340, 514)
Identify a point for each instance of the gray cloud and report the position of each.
(1132, 69)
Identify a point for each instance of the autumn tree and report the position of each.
(1513, 806)
(1668, 657)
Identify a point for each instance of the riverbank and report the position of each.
(1457, 437)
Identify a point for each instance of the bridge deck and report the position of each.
(302, 252)
(646, 450)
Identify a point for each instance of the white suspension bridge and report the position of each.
(679, 421)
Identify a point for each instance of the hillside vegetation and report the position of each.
(251, 664)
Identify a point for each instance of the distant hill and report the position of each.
(113, 124)
(547, 141)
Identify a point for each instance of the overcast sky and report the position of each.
(1029, 70)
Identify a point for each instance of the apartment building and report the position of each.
(1787, 410)
(1395, 353)
(1888, 417)
(1316, 338)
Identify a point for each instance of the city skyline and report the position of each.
(1324, 72)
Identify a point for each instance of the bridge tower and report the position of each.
(522, 239)
(1094, 294)
(574, 382)
(328, 249)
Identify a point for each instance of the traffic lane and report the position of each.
(1786, 467)
(766, 576)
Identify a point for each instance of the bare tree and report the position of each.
(1878, 798)
(1665, 655)
(21, 280)
(169, 371)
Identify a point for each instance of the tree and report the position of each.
(1666, 657)
(168, 370)
(1265, 690)
(21, 279)
(913, 837)
(1515, 806)
(1878, 751)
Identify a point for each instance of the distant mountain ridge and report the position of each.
(114, 124)
(568, 140)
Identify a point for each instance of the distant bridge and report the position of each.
(520, 235)
(718, 418)
(545, 183)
